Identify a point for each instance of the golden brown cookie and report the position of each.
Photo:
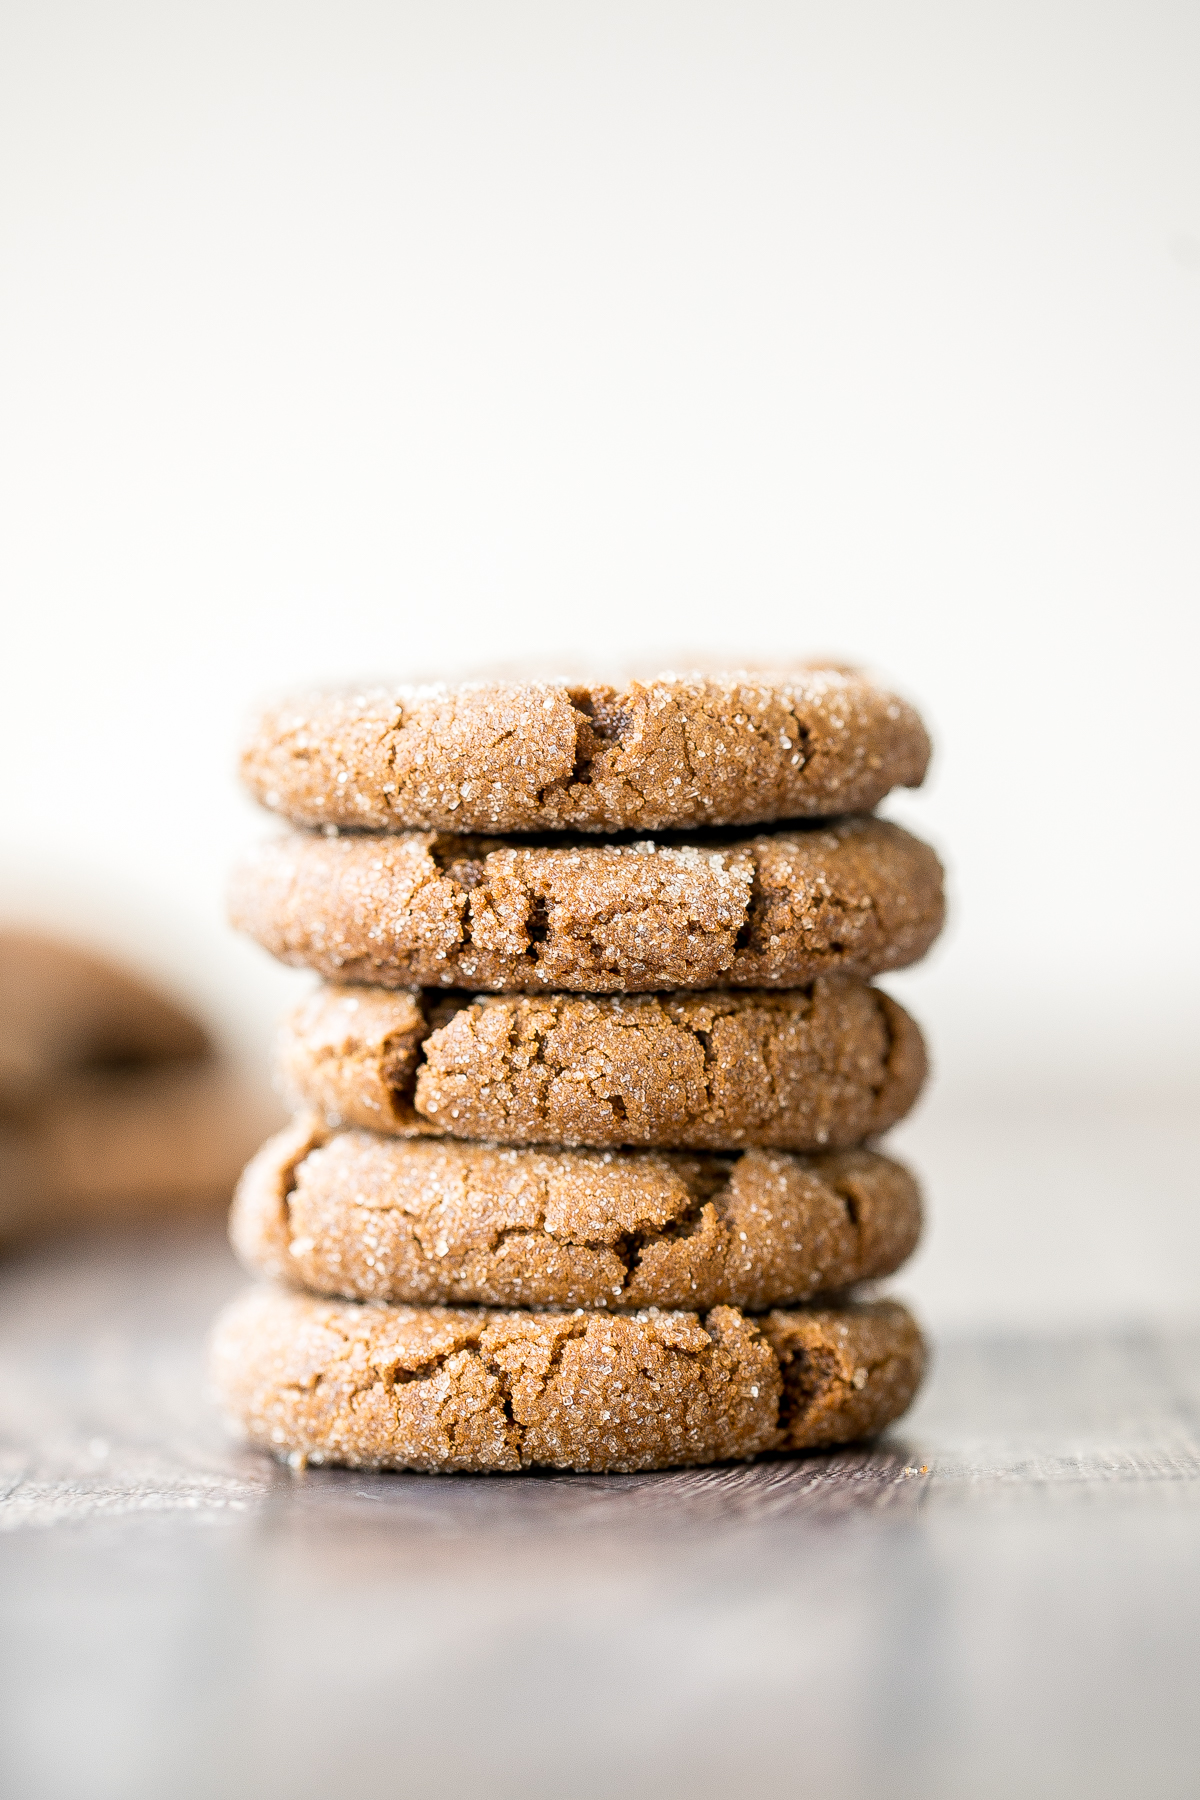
(673, 752)
(373, 1218)
(808, 1069)
(399, 1387)
(855, 897)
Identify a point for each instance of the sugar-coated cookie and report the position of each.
(399, 1387)
(366, 1217)
(669, 753)
(801, 1069)
(857, 897)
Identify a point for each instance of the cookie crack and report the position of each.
(500, 1375)
(503, 1233)
(577, 1328)
(289, 1172)
(632, 1245)
(628, 1247)
(704, 1038)
(601, 726)
(615, 1246)
(809, 1376)
(803, 736)
(370, 1375)
(395, 1377)
(888, 1074)
(537, 923)
(755, 900)
(289, 1181)
(535, 1059)
(854, 1218)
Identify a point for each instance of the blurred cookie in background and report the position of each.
(64, 1009)
(114, 1104)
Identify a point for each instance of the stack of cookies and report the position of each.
(579, 1174)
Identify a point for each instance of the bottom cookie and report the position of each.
(480, 1390)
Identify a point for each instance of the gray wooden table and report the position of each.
(1003, 1597)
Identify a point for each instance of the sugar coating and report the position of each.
(858, 896)
(478, 1390)
(738, 749)
(811, 1068)
(366, 1217)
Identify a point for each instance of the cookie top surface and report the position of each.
(366, 1217)
(819, 1067)
(852, 896)
(673, 752)
(478, 1390)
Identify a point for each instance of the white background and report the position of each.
(343, 339)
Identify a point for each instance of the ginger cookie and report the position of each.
(402, 1387)
(366, 1217)
(670, 753)
(104, 1146)
(857, 897)
(807, 1069)
(113, 1104)
(65, 1010)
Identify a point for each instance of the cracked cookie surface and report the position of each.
(436, 1389)
(676, 751)
(365, 1217)
(858, 896)
(815, 1068)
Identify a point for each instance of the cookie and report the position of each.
(399, 1387)
(372, 1218)
(816, 1067)
(65, 1009)
(670, 753)
(114, 1145)
(856, 897)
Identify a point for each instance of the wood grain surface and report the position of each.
(1003, 1596)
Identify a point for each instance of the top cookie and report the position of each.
(676, 751)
